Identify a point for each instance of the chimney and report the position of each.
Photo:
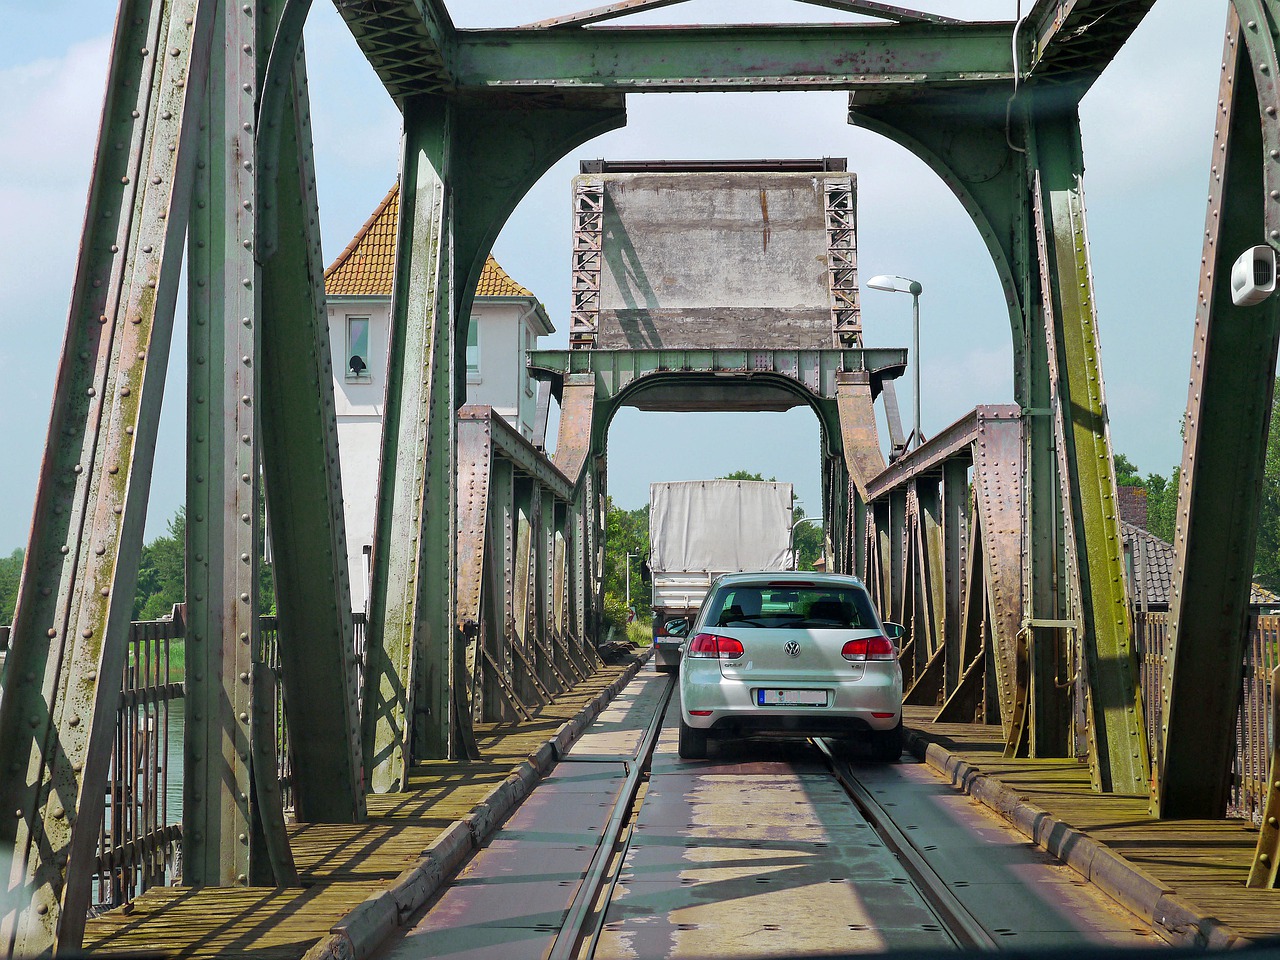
(1133, 506)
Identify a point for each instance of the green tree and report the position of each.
(10, 574)
(1266, 564)
(626, 531)
(162, 572)
(1126, 473)
(808, 539)
(1162, 503)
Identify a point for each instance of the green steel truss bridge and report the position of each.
(998, 541)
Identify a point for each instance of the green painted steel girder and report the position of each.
(622, 374)
(1228, 411)
(68, 644)
(1072, 41)
(233, 816)
(408, 42)
(772, 57)
(1117, 733)
(594, 384)
(304, 491)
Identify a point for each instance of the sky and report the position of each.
(1147, 129)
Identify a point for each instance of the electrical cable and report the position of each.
(1008, 107)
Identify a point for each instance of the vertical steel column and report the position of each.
(475, 458)
(929, 500)
(955, 535)
(406, 700)
(1096, 564)
(997, 531)
(896, 555)
(57, 717)
(1228, 409)
(231, 835)
(501, 522)
(303, 485)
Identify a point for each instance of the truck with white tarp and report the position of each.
(701, 529)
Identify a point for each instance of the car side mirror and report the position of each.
(895, 632)
(678, 627)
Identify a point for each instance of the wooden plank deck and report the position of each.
(1205, 862)
(339, 865)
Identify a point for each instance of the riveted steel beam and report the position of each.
(1072, 41)
(233, 818)
(406, 672)
(628, 7)
(799, 374)
(1086, 467)
(955, 535)
(998, 491)
(771, 57)
(67, 646)
(408, 42)
(304, 489)
(1228, 411)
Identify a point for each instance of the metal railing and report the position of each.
(1249, 769)
(140, 843)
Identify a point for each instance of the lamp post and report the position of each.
(626, 575)
(915, 288)
(795, 558)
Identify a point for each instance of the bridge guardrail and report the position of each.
(1249, 769)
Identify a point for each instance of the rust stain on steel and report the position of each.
(577, 413)
(858, 428)
(997, 473)
(474, 458)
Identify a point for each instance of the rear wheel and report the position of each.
(693, 742)
(886, 745)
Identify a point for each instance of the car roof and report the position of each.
(790, 576)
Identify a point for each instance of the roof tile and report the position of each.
(366, 268)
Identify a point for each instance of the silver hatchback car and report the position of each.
(790, 654)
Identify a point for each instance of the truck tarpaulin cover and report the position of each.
(720, 526)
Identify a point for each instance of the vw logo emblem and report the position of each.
(792, 648)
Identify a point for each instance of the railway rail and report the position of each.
(805, 840)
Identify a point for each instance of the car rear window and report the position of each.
(778, 605)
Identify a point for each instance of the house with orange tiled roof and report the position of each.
(506, 322)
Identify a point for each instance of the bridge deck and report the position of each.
(339, 864)
(1203, 862)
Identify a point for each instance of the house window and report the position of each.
(357, 367)
(473, 349)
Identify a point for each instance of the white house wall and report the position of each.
(503, 383)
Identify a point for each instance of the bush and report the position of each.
(640, 632)
(614, 615)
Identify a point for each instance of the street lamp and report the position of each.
(795, 557)
(913, 287)
(627, 577)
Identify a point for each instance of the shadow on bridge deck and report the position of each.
(1184, 876)
(340, 865)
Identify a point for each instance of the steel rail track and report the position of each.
(584, 922)
(580, 923)
(959, 923)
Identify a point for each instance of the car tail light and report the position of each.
(869, 648)
(709, 646)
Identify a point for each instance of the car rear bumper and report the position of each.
(666, 651)
(851, 705)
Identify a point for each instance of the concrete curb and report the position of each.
(1128, 884)
(365, 928)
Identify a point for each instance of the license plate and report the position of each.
(798, 698)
